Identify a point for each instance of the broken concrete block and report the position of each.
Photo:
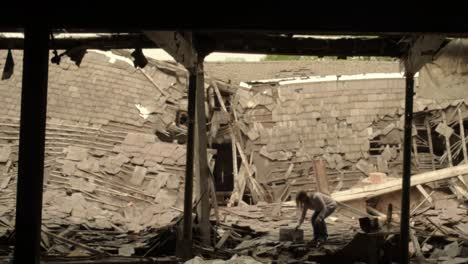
(166, 198)
(5, 152)
(90, 164)
(388, 129)
(138, 161)
(157, 168)
(364, 166)
(126, 250)
(382, 165)
(173, 183)
(452, 250)
(113, 164)
(444, 130)
(138, 139)
(275, 155)
(68, 167)
(76, 153)
(291, 234)
(81, 184)
(138, 175)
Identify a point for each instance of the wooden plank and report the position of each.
(288, 172)
(394, 185)
(220, 98)
(424, 193)
(245, 161)
(321, 176)
(415, 149)
(462, 135)
(429, 139)
(447, 141)
(234, 157)
(223, 239)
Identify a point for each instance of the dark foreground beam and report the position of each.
(184, 246)
(406, 186)
(342, 47)
(31, 146)
(101, 42)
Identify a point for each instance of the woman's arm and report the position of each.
(304, 212)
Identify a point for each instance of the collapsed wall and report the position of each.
(114, 154)
(294, 122)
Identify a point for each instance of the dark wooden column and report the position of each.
(31, 146)
(201, 155)
(406, 185)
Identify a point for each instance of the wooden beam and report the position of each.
(200, 154)
(447, 141)
(422, 50)
(177, 44)
(267, 44)
(395, 185)
(129, 41)
(462, 135)
(424, 193)
(429, 140)
(31, 146)
(321, 179)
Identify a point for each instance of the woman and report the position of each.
(323, 206)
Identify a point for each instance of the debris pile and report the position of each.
(114, 162)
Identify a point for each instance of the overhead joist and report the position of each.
(100, 42)
(231, 42)
(341, 47)
(422, 50)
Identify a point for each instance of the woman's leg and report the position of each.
(314, 224)
(328, 212)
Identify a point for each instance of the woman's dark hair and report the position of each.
(301, 199)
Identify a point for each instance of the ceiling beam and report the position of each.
(422, 50)
(101, 42)
(177, 44)
(262, 44)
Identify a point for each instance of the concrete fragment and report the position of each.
(138, 161)
(444, 130)
(452, 250)
(138, 175)
(173, 182)
(138, 139)
(81, 184)
(76, 153)
(68, 167)
(157, 168)
(388, 128)
(126, 250)
(275, 155)
(166, 198)
(291, 234)
(113, 164)
(89, 164)
(364, 167)
(5, 152)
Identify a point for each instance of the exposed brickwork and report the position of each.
(237, 72)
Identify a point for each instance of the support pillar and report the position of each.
(31, 145)
(406, 185)
(197, 163)
(184, 247)
(201, 170)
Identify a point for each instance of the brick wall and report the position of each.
(332, 120)
(97, 92)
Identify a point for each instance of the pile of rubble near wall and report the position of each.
(287, 125)
(115, 157)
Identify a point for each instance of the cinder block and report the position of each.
(291, 234)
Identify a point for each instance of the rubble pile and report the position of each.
(114, 155)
